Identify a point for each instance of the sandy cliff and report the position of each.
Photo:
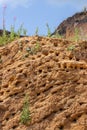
(53, 73)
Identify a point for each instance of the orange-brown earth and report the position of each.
(53, 72)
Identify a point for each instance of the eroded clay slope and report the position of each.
(53, 73)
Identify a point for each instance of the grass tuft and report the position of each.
(25, 114)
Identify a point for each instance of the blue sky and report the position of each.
(36, 13)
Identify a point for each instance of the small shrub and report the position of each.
(34, 49)
(4, 39)
(25, 114)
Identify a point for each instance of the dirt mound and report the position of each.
(77, 22)
(53, 73)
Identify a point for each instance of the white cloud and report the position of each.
(74, 3)
(15, 3)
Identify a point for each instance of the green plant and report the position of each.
(84, 9)
(6, 38)
(12, 34)
(57, 35)
(76, 37)
(34, 49)
(25, 114)
(36, 31)
(48, 30)
(71, 47)
(21, 31)
(24, 32)
(37, 47)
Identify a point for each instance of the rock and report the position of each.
(74, 27)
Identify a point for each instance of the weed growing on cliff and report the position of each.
(57, 35)
(71, 48)
(84, 9)
(48, 30)
(31, 50)
(76, 37)
(21, 31)
(25, 114)
(6, 38)
(36, 31)
(12, 34)
(34, 49)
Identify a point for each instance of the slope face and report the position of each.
(53, 73)
(77, 22)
